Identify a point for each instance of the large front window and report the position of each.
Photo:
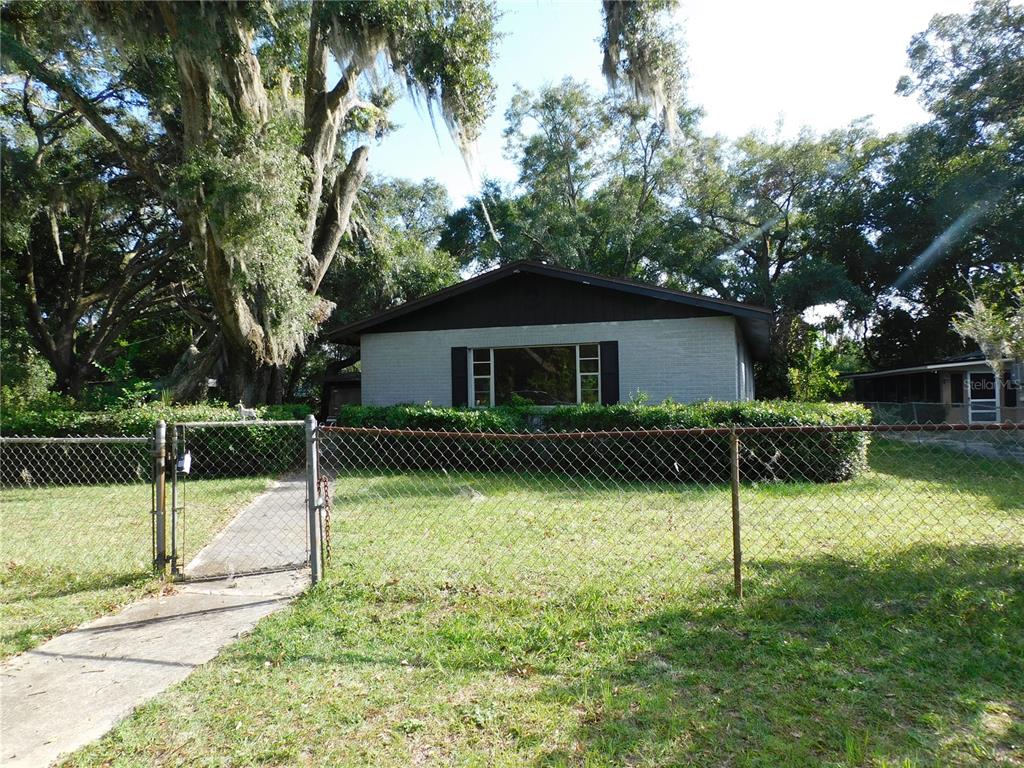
(549, 375)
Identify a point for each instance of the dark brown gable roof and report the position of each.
(532, 293)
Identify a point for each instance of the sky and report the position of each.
(752, 64)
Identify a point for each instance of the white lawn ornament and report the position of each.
(246, 413)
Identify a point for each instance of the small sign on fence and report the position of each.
(185, 463)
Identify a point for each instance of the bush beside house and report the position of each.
(254, 450)
(58, 419)
(818, 457)
(259, 449)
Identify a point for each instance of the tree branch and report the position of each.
(323, 113)
(335, 220)
(35, 314)
(15, 51)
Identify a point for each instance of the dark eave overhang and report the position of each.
(969, 362)
(755, 320)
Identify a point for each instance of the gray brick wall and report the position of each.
(687, 359)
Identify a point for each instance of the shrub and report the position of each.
(256, 449)
(57, 417)
(816, 456)
(435, 418)
(669, 415)
(263, 449)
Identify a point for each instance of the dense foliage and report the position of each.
(893, 232)
(195, 205)
(89, 255)
(58, 418)
(229, 118)
(667, 415)
(693, 457)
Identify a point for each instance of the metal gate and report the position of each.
(239, 498)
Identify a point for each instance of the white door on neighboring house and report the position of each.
(983, 397)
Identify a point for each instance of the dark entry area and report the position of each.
(339, 389)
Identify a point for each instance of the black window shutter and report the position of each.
(609, 372)
(460, 376)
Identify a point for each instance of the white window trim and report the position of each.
(473, 377)
(983, 402)
(471, 395)
(579, 379)
(580, 374)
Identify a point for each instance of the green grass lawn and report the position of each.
(69, 554)
(546, 621)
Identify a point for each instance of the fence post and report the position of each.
(312, 503)
(174, 498)
(160, 497)
(737, 553)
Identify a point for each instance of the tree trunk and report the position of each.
(253, 343)
(774, 381)
(294, 377)
(69, 370)
(69, 379)
(244, 380)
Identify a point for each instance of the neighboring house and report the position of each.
(552, 336)
(958, 390)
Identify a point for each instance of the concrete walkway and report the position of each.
(270, 533)
(73, 689)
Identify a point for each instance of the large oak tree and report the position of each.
(88, 250)
(245, 118)
(249, 120)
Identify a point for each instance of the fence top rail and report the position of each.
(242, 423)
(693, 431)
(4, 439)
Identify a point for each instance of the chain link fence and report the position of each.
(915, 412)
(646, 509)
(238, 498)
(76, 508)
(202, 500)
(661, 510)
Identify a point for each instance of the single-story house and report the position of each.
(957, 390)
(553, 336)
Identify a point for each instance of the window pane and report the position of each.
(482, 369)
(542, 375)
(983, 386)
(481, 391)
(588, 366)
(481, 355)
(589, 389)
(956, 387)
(588, 350)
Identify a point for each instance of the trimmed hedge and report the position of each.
(140, 421)
(583, 418)
(258, 449)
(262, 449)
(817, 456)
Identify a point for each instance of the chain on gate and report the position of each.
(325, 496)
